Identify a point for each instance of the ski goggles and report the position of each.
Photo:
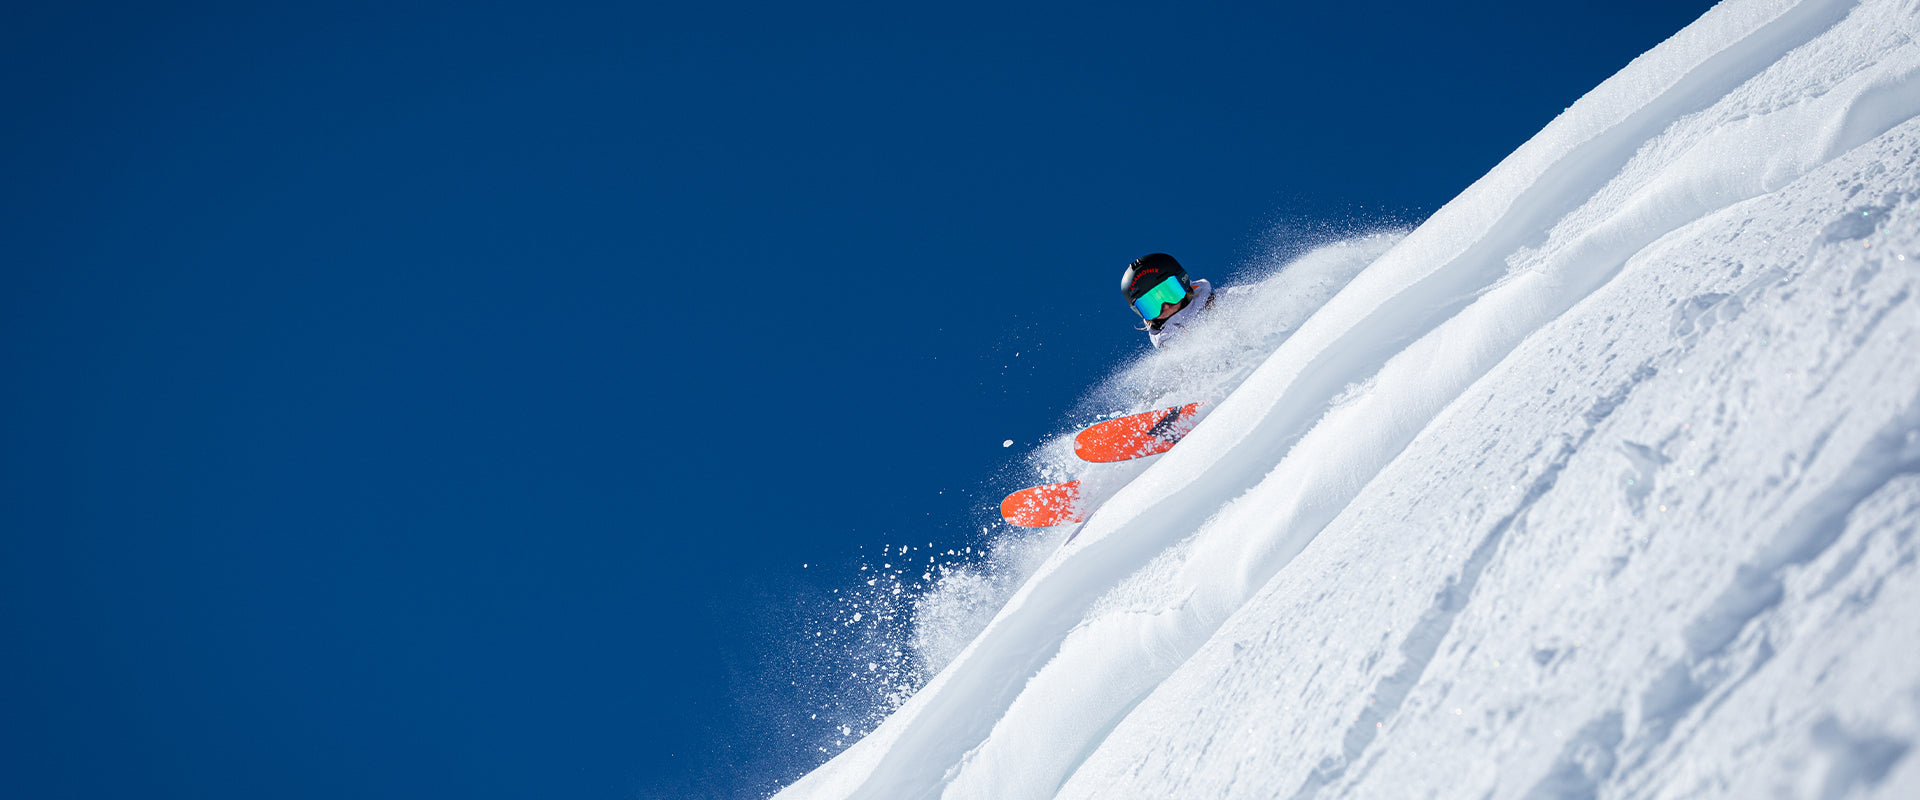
(1167, 292)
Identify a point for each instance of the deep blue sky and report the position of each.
(409, 400)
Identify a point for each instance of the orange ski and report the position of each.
(1144, 434)
(1044, 506)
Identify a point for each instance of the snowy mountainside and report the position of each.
(1667, 543)
(1604, 481)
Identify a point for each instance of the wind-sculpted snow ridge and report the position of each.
(1604, 481)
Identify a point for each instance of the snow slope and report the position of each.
(1604, 481)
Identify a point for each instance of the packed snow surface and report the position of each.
(1602, 482)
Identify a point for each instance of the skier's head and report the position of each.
(1156, 287)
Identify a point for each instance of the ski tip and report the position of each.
(1136, 435)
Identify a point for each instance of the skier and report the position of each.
(1164, 297)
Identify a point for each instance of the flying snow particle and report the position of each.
(1007, 443)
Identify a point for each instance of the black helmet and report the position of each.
(1150, 274)
(1147, 271)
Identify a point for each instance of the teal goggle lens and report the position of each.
(1167, 292)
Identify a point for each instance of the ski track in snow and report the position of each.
(1602, 482)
